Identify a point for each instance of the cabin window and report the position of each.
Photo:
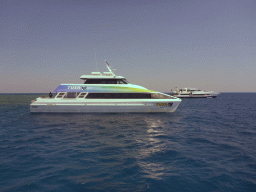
(160, 96)
(82, 95)
(60, 95)
(125, 81)
(121, 81)
(71, 94)
(105, 81)
(118, 96)
(101, 81)
(127, 96)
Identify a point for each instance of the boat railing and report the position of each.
(33, 100)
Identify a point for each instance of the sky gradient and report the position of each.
(210, 45)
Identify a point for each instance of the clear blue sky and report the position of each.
(163, 44)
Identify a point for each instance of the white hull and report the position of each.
(152, 106)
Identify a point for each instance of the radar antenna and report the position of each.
(109, 68)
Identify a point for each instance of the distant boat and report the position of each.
(194, 93)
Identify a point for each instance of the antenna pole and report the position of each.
(109, 68)
(96, 61)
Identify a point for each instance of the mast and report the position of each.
(109, 68)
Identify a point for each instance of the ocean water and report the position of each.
(206, 145)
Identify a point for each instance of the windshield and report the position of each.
(105, 81)
(126, 82)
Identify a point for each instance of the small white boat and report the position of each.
(104, 93)
(194, 93)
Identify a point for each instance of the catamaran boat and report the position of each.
(104, 93)
(194, 93)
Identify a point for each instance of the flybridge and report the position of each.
(99, 75)
(84, 77)
(104, 74)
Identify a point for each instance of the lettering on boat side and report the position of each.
(161, 104)
(76, 87)
(164, 104)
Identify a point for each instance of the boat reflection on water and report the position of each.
(122, 142)
(156, 143)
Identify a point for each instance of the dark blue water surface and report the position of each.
(206, 145)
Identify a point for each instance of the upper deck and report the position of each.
(98, 78)
(98, 75)
(105, 78)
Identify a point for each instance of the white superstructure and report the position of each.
(194, 93)
(104, 93)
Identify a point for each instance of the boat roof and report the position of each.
(189, 88)
(105, 75)
(101, 76)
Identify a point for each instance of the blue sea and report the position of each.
(205, 145)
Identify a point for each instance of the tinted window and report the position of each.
(71, 94)
(160, 96)
(105, 81)
(118, 96)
